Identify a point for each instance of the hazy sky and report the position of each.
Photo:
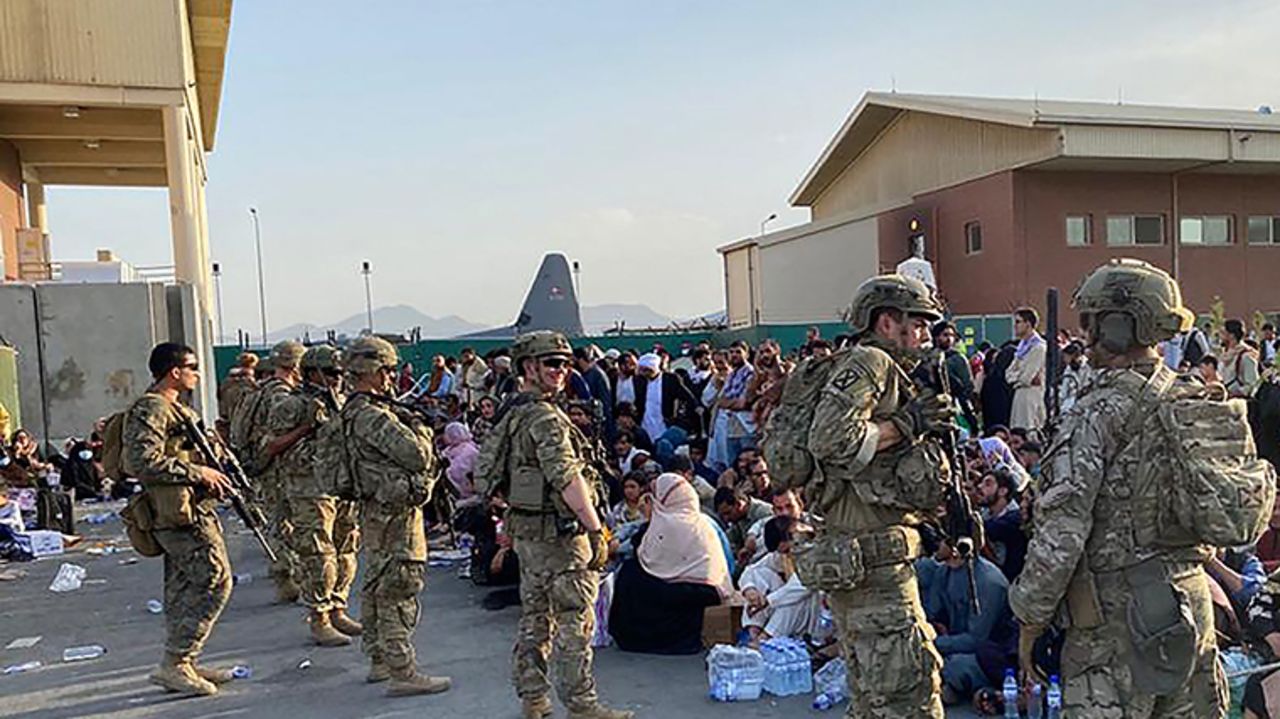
(453, 143)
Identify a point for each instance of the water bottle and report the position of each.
(1055, 699)
(1010, 695)
(244, 578)
(804, 668)
(241, 671)
(90, 651)
(823, 702)
(154, 606)
(20, 668)
(1035, 702)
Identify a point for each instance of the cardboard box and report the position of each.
(721, 624)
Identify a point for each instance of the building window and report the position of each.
(1125, 230)
(1212, 230)
(1264, 230)
(1078, 234)
(972, 238)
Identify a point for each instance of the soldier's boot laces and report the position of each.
(214, 675)
(600, 711)
(323, 633)
(536, 708)
(177, 675)
(378, 672)
(345, 624)
(411, 683)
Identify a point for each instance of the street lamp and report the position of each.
(217, 286)
(262, 292)
(366, 270)
(772, 216)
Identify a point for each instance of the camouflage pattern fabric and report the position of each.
(556, 590)
(894, 669)
(197, 571)
(197, 584)
(279, 399)
(395, 466)
(1085, 532)
(326, 537)
(234, 389)
(389, 609)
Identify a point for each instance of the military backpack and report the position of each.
(785, 441)
(113, 446)
(246, 427)
(331, 459)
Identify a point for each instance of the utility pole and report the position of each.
(366, 270)
(217, 286)
(262, 292)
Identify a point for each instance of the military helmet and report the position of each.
(368, 354)
(322, 357)
(287, 354)
(896, 291)
(542, 343)
(1140, 290)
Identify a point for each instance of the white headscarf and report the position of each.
(680, 544)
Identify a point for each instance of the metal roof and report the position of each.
(877, 110)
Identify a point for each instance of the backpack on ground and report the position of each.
(1200, 478)
(113, 446)
(785, 442)
(332, 460)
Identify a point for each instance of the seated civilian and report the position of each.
(1029, 457)
(679, 570)
(625, 451)
(81, 476)
(461, 452)
(760, 485)
(1239, 571)
(54, 506)
(739, 475)
(625, 417)
(683, 466)
(1262, 634)
(778, 605)
(1006, 540)
(1268, 549)
(786, 503)
(965, 635)
(738, 513)
(632, 507)
(698, 455)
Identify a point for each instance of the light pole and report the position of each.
(262, 292)
(217, 287)
(366, 270)
(772, 216)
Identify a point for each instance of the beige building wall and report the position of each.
(922, 152)
(737, 286)
(809, 273)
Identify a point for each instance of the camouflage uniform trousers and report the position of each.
(275, 507)
(894, 669)
(557, 619)
(326, 537)
(197, 583)
(1097, 682)
(389, 609)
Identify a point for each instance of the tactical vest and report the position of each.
(530, 488)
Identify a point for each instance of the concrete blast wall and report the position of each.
(82, 348)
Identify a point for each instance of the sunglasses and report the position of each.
(554, 362)
(193, 366)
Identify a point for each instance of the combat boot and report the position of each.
(378, 672)
(536, 708)
(411, 683)
(214, 675)
(323, 633)
(177, 675)
(345, 624)
(600, 711)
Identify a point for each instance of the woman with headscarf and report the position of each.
(461, 452)
(681, 567)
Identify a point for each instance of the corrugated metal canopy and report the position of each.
(877, 110)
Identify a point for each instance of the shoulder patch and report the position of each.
(845, 378)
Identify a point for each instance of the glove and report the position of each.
(599, 550)
(1027, 636)
(930, 412)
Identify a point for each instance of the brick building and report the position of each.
(1014, 196)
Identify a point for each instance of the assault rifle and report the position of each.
(226, 463)
(1052, 366)
(962, 527)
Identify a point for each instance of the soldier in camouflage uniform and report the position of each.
(552, 519)
(1086, 560)
(240, 382)
(323, 529)
(869, 417)
(394, 468)
(182, 497)
(286, 360)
